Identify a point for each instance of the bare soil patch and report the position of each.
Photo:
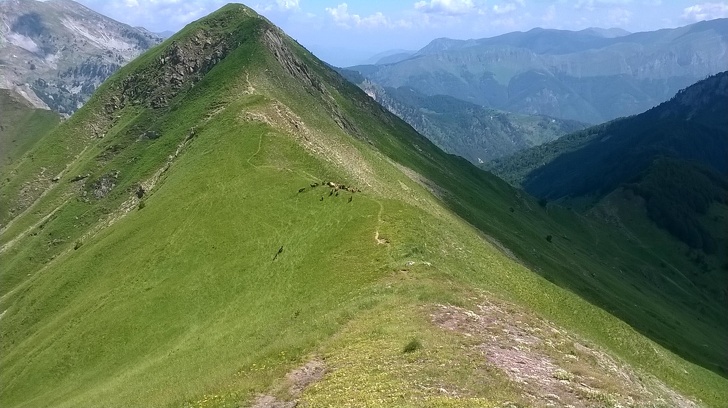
(552, 366)
(295, 383)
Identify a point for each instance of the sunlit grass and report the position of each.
(190, 301)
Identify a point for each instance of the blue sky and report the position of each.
(346, 32)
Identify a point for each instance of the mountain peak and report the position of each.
(187, 56)
(235, 10)
(613, 32)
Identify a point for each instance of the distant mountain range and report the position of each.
(468, 130)
(56, 53)
(593, 75)
(165, 34)
(388, 57)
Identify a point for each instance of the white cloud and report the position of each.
(448, 7)
(278, 5)
(503, 8)
(342, 17)
(288, 4)
(619, 17)
(591, 5)
(550, 14)
(340, 14)
(156, 15)
(705, 11)
(508, 7)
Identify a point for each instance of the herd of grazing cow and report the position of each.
(334, 189)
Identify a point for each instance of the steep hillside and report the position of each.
(466, 129)
(231, 223)
(57, 52)
(584, 75)
(21, 125)
(690, 127)
(673, 158)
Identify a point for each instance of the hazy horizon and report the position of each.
(348, 33)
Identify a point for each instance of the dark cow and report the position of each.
(280, 250)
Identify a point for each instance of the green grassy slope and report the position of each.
(21, 125)
(181, 298)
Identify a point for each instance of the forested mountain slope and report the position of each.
(468, 130)
(673, 159)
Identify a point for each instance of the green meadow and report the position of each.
(238, 265)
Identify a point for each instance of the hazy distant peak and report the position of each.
(613, 32)
(445, 44)
(166, 34)
(387, 57)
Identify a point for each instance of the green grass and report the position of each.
(185, 300)
(182, 303)
(368, 367)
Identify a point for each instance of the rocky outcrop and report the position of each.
(184, 62)
(103, 186)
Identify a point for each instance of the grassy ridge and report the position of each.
(181, 302)
(189, 237)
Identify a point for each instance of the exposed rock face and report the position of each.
(103, 186)
(274, 40)
(58, 51)
(181, 62)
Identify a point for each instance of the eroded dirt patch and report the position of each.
(296, 381)
(553, 367)
(279, 116)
